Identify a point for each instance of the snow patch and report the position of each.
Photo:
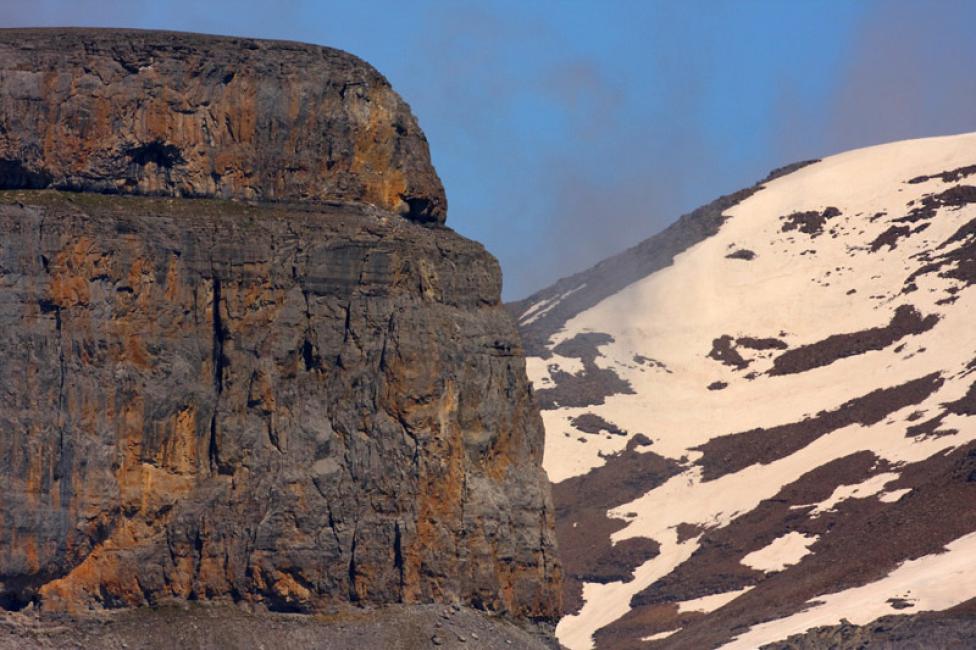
(781, 552)
(605, 603)
(893, 496)
(935, 582)
(862, 490)
(660, 635)
(710, 603)
(543, 307)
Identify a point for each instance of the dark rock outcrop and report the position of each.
(289, 404)
(156, 113)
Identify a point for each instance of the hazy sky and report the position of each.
(567, 131)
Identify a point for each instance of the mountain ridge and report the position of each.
(724, 431)
(540, 311)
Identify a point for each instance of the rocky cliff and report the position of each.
(155, 113)
(291, 404)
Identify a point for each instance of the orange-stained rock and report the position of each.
(162, 113)
(253, 381)
(208, 400)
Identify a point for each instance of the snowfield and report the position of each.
(818, 297)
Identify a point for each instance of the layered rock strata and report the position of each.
(157, 113)
(289, 404)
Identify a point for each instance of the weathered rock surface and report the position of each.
(206, 400)
(157, 113)
(289, 403)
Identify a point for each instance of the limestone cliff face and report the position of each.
(280, 404)
(132, 112)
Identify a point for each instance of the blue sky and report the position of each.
(567, 131)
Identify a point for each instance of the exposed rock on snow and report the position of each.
(818, 404)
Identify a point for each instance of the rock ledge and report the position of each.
(176, 114)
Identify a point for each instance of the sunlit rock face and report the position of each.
(760, 422)
(288, 404)
(155, 113)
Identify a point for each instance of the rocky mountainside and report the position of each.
(760, 422)
(287, 403)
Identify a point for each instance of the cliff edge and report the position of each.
(174, 114)
(289, 404)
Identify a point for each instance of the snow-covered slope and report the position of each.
(762, 420)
